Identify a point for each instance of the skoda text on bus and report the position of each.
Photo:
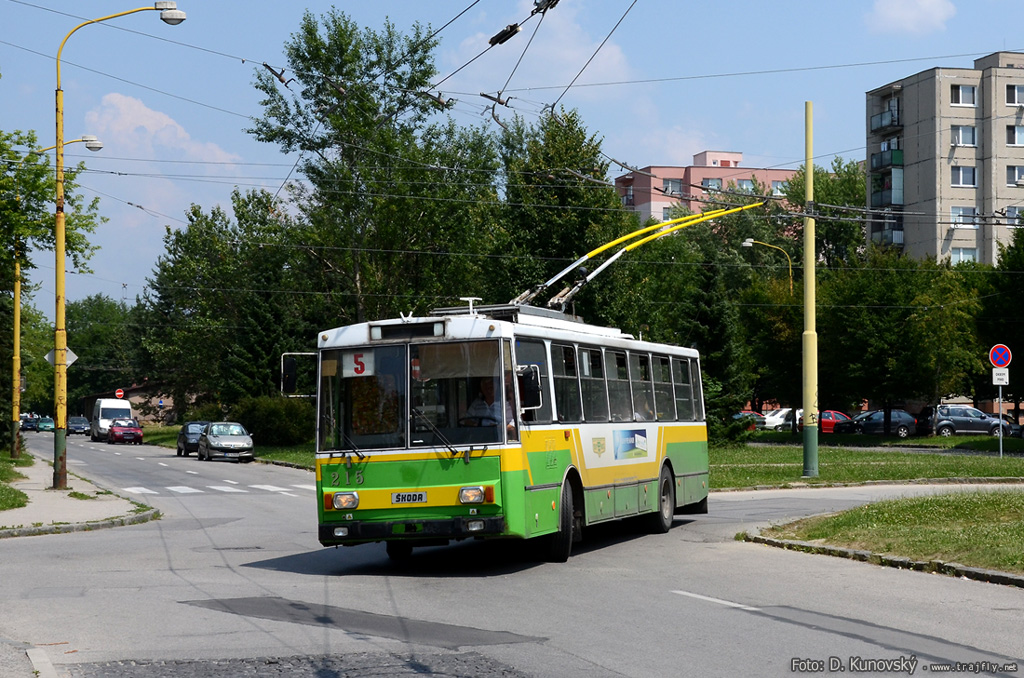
(505, 421)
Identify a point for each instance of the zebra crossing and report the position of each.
(231, 488)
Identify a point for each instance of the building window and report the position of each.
(1015, 217)
(778, 187)
(672, 186)
(1015, 95)
(1014, 173)
(666, 213)
(963, 95)
(745, 185)
(964, 217)
(963, 135)
(1015, 135)
(963, 176)
(711, 184)
(964, 254)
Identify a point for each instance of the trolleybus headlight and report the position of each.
(341, 532)
(471, 495)
(346, 500)
(475, 525)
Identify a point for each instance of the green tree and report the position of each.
(839, 231)
(99, 335)
(387, 192)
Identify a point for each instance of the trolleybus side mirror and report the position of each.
(529, 387)
(289, 375)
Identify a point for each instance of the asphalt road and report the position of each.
(233, 582)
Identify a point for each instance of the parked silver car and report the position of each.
(962, 419)
(227, 439)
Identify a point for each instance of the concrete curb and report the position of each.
(931, 566)
(995, 480)
(62, 528)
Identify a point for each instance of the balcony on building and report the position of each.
(887, 188)
(890, 158)
(888, 231)
(885, 121)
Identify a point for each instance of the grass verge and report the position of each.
(11, 498)
(977, 528)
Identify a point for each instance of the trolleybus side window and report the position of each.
(664, 400)
(567, 386)
(595, 397)
(684, 390)
(643, 386)
(698, 391)
(533, 352)
(619, 403)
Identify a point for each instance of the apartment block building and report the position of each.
(945, 164)
(653, 191)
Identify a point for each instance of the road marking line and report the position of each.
(195, 473)
(141, 458)
(288, 494)
(311, 488)
(231, 482)
(162, 464)
(226, 488)
(181, 489)
(139, 490)
(727, 603)
(268, 488)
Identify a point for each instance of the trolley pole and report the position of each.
(810, 336)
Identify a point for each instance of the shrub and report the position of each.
(276, 421)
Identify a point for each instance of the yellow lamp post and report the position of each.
(93, 144)
(170, 14)
(750, 242)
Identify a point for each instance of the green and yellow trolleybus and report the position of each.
(502, 421)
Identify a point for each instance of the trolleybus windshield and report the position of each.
(415, 395)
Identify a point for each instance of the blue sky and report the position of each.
(171, 103)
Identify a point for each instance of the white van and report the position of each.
(103, 412)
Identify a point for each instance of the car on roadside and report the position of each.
(1015, 427)
(902, 423)
(188, 437)
(46, 424)
(965, 420)
(226, 439)
(124, 431)
(827, 420)
(78, 425)
(755, 419)
(30, 423)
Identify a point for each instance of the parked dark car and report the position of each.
(755, 419)
(963, 419)
(872, 422)
(30, 424)
(1015, 428)
(188, 437)
(78, 425)
(124, 431)
(226, 439)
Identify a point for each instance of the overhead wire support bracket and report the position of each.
(562, 299)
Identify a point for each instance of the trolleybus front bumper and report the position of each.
(360, 532)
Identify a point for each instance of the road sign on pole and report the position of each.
(119, 393)
(999, 355)
(1000, 376)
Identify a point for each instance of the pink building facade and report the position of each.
(654, 191)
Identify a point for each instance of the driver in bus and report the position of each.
(486, 410)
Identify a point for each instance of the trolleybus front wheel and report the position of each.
(560, 543)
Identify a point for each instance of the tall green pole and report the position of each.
(810, 336)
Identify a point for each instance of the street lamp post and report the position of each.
(170, 14)
(93, 144)
(750, 242)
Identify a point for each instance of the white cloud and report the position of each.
(910, 16)
(127, 124)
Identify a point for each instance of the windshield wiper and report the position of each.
(355, 450)
(437, 432)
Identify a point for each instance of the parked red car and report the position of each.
(827, 420)
(124, 431)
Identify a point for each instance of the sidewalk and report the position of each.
(83, 506)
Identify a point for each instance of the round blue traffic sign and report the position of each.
(1000, 355)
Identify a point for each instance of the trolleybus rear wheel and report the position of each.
(660, 521)
(560, 543)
